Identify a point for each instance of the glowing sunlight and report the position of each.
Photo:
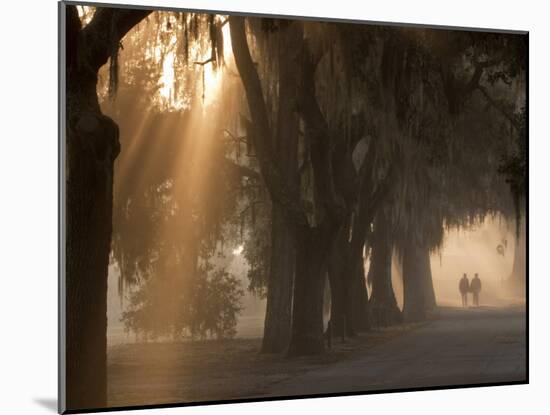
(238, 250)
(167, 78)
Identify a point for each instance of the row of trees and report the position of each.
(364, 140)
(432, 109)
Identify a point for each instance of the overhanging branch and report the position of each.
(261, 135)
(318, 133)
(498, 106)
(107, 28)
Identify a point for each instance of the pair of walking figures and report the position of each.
(474, 287)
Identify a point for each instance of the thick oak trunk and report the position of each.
(357, 285)
(359, 303)
(418, 292)
(517, 279)
(429, 292)
(92, 145)
(281, 278)
(383, 305)
(91, 148)
(307, 309)
(280, 285)
(312, 242)
(349, 300)
(341, 322)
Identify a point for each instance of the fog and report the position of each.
(471, 251)
(228, 183)
(177, 121)
(249, 324)
(476, 252)
(464, 251)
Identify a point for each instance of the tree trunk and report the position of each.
(307, 310)
(340, 277)
(360, 310)
(349, 305)
(347, 274)
(418, 293)
(383, 305)
(357, 286)
(517, 279)
(337, 294)
(429, 292)
(91, 148)
(312, 244)
(280, 285)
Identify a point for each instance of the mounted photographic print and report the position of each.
(269, 207)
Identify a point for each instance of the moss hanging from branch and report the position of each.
(219, 44)
(185, 30)
(113, 74)
(213, 39)
(113, 63)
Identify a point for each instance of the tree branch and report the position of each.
(105, 31)
(476, 76)
(318, 133)
(371, 199)
(493, 102)
(72, 30)
(204, 62)
(261, 136)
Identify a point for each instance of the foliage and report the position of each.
(176, 188)
(435, 105)
(205, 305)
(514, 168)
(257, 251)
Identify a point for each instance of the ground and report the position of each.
(457, 346)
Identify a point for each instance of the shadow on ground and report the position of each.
(48, 403)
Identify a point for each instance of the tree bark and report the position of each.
(313, 242)
(313, 246)
(349, 300)
(418, 295)
(383, 305)
(92, 146)
(429, 292)
(339, 272)
(283, 261)
(280, 286)
(262, 136)
(517, 279)
(307, 314)
(358, 292)
(371, 197)
(89, 210)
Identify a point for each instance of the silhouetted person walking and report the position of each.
(464, 287)
(475, 287)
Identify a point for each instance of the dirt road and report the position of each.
(484, 345)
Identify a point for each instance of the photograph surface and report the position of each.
(259, 207)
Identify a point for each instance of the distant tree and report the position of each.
(206, 307)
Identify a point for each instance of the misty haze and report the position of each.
(265, 207)
(472, 250)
